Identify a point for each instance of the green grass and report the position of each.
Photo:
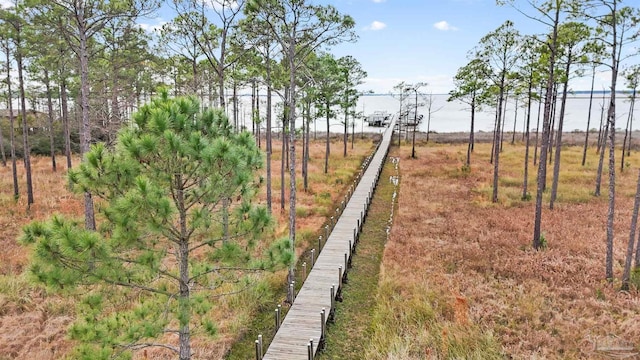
(348, 337)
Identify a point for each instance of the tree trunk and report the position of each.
(626, 144)
(269, 145)
(515, 121)
(184, 307)
(303, 114)
(556, 164)
(596, 192)
(85, 135)
(12, 137)
(525, 181)
(495, 131)
(47, 85)
(631, 111)
(552, 127)
(535, 152)
(292, 152)
(498, 141)
(400, 120)
(25, 127)
(283, 164)
(235, 107)
(503, 119)
(65, 121)
(225, 219)
(472, 130)
(612, 184)
(611, 119)
(586, 136)
(328, 146)
(353, 134)
(306, 150)
(346, 129)
(253, 110)
(632, 237)
(220, 71)
(257, 118)
(2, 152)
(542, 165)
(600, 137)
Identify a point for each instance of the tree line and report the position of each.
(582, 36)
(162, 147)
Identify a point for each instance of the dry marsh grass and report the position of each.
(33, 322)
(460, 280)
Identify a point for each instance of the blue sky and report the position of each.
(425, 40)
(421, 40)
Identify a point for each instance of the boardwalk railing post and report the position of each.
(313, 255)
(323, 325)
(311, 348)
(260, 345)
(304, 271)
(352, 250)
(258, 355)
(319, 243)
(347, 262)
(339, 286)
(278, 316)
(333, 301)
(326, 232)
(309, 352)
(291, 294)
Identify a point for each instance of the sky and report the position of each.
(428, 40)
(421, 40)
(416, 40)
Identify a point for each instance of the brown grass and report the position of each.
(33, 323)
(472, 261)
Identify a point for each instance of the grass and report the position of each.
(26, 309)
(347, 337)
(576, 183)
(459, 278)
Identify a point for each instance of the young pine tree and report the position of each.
(160, 255)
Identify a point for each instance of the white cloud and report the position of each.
(149, 27)
(378, 1)
(376, 25)
(444, 26)
(5, 4)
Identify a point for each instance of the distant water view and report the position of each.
(456, 117)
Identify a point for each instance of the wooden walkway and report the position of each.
(302, 331)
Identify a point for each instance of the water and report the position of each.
(456, 117)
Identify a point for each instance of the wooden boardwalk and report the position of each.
(303, 327)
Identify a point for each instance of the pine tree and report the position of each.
(160, 250)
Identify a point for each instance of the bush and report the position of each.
(39, 143)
